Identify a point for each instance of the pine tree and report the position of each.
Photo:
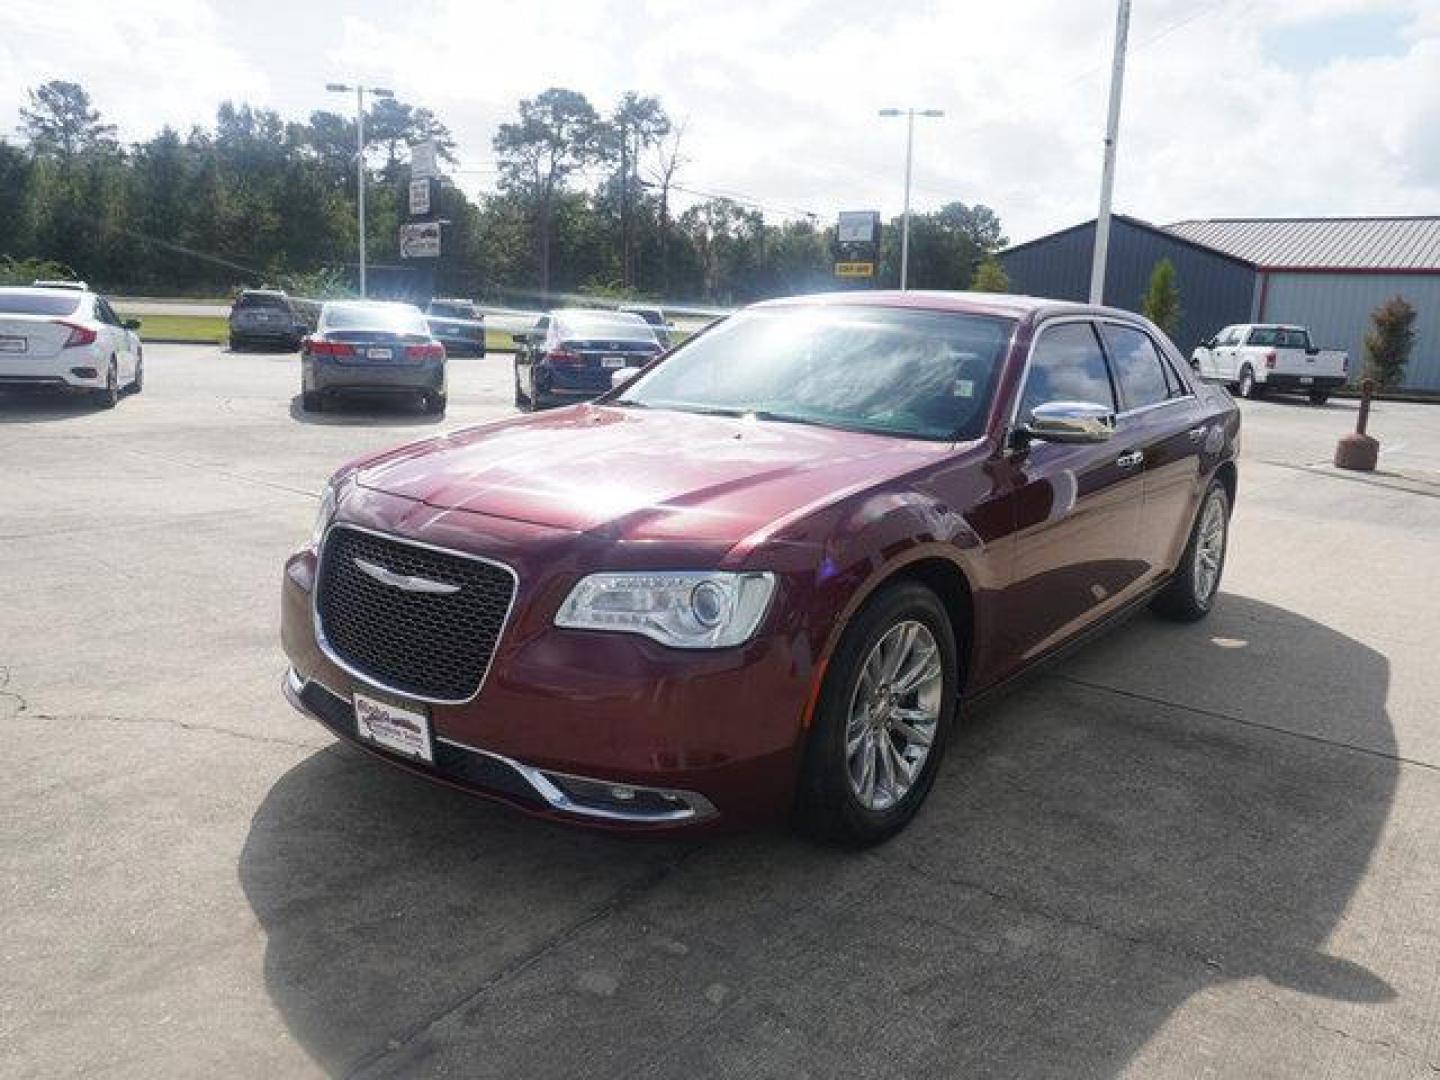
(990, 276)
(1161, 304)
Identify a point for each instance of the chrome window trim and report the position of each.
(1040, 329)
(1164, 357)
(334, 657)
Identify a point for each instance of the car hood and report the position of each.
(642, 474)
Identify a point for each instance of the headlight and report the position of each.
(323, 517)
(690, 609)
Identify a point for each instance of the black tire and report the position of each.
(827, 806)
(1319, 397)
(1185, 599)
(138, 383)
(237, 344)
(109, 396)
(435, 404)
(521, 401)
(1247, 387)
(312, 401)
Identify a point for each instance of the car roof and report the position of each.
(589, 312)
(41, 290)
(1006, 305)
(70, 286)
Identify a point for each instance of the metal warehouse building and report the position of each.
(1325, 273)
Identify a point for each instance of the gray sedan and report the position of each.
(370, 347)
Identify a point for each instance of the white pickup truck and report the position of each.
(1255, 357)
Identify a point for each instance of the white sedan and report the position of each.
(68, 336)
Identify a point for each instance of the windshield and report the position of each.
(921, 374)
(21, 303)
(616, 327)
(392, 318)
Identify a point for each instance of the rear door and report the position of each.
(1077, 508)
(1166, 424)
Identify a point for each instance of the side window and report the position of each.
(1066, 364)
(1142, 375)
(1231, 336)
(104, 312)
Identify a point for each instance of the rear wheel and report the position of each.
(521, 401)
(881, 723)
(1191, 592)
(109, 396)
(435, 404)
(312, 401)
(1248, 387)
(1319, 397)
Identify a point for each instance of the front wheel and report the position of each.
(109, 396)
(1249, 388)
(1319, 397)
(880, 726)
(1191, 592)
(138, 383)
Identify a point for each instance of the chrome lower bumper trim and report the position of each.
(688, 806)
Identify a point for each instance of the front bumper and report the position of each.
(565, 716)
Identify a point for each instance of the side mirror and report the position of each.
(1070, 422)
(621, 376)
(132, 324)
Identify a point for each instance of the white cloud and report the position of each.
(781, 94)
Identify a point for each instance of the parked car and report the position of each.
(265, 317)
(765, 573)
(371, 347)
(65, 336)
(656, 319)
(571, 353)
(1255, 357)
(458, 325)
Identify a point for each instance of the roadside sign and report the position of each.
(858, 227)
(420, 197)
(854, 269)
(424, 162)
(420, 240)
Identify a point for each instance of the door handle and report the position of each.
(1130, 460)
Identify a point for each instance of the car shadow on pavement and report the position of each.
(360, 411)
(39, 406)
(1091, 858)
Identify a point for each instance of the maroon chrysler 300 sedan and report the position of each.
(768, 573)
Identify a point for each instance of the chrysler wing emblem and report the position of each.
(404, 582)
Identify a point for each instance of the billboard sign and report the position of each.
(420, 240)
(424, 162)
(420, 197)
(858, 227)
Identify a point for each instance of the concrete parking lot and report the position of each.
(1207, 850)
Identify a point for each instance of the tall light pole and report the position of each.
(1107, 177)
(378, 91)
(909, 115)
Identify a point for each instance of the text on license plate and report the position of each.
(612, 361)
(1306, 380)
(394, 727)
(377, 354)
(14, 344)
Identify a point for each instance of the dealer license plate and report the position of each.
(377, 354)
(612, 361)
(14, 344)
(396, 728)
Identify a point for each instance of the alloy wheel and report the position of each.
(1209, 550)
(894, 715)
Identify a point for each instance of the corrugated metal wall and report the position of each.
(1214, 290)
(1337, 307)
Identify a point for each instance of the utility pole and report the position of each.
(909, 115)
(378, 91)
(1107, 178)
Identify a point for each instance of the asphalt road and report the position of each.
(1205, 850)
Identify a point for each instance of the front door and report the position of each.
(1077, 552)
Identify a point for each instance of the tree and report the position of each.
(1161, 303)
(395, 126)
(1389, 342)
(637, 124)
(61, 121)
(558, 133)
(668, 164)
(945, 246)
(990, 276)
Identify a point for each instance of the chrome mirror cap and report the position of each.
(1070, 422)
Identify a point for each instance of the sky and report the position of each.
(1231, 108)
